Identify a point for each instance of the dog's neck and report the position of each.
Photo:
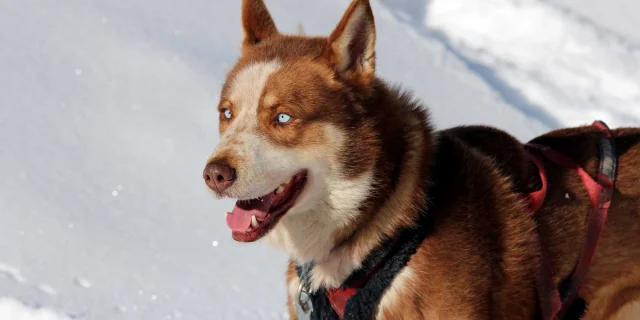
(393, 202)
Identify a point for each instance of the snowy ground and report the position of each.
(15, 310)
(107, 115)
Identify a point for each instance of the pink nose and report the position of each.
(219, 176)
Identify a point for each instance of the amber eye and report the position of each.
(226, 113)
(283, 118)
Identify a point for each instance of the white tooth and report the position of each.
(254, 221)
(280, 189)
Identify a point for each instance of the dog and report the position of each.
(385, 217)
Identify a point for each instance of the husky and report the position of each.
(385, 217)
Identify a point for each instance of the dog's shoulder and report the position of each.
(476, 217)
(498, 149)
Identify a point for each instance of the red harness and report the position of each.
(600, 193)
(338, 296)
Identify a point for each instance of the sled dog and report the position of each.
(385, 217)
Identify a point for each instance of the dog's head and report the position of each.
(297, 149)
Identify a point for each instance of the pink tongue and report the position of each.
(240, 218)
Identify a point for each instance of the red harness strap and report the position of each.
(600, 193)
(338, 296)
(548, 295)
(338, 299)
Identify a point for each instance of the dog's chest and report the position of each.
(397, 291)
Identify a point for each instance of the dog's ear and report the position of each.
(351, 46)
(256, 23)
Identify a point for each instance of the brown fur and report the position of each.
(478, 261)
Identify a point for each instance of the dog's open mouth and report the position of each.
(252, 219)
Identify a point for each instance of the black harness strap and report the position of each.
(394, 253)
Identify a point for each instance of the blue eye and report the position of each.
(283, 118)
(227, 113)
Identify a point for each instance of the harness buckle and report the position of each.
(303, 304)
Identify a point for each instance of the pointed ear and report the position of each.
(256, 22)
(351, 46)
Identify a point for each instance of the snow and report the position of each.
(12, 272)
(84, 283)
(565, 71)
(45, 288)
(12, 309)
(615, 17)
(107, 114)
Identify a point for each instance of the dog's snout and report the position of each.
(219, 176)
